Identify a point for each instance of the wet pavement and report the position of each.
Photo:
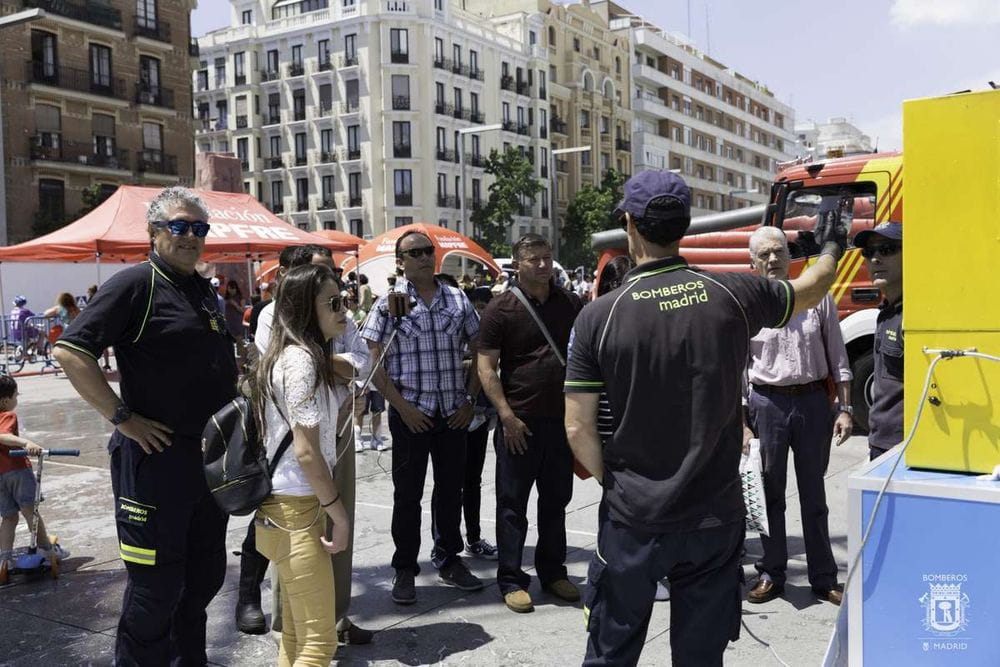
(72, 620)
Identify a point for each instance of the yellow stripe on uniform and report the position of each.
(586, 617)
(137, 555)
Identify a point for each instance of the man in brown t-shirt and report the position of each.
(530, 440)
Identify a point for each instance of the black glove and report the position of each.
(833, 227)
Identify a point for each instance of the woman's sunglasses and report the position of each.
(180, 227)
(415, 253)
(883, 250)
(336, 303)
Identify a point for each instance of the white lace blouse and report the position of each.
(292, 381)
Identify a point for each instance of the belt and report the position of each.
(791, 389)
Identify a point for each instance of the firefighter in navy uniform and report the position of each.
(670, 348)
(177, 368)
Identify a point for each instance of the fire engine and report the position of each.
(867, 187)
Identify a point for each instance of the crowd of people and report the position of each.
(651, 388)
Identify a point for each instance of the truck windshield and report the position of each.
(805, 207)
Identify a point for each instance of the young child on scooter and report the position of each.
(17, 483)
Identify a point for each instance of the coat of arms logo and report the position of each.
(945, 607)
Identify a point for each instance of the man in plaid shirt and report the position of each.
(430, 409)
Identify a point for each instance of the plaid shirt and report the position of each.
(425, 359)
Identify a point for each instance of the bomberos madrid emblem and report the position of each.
(945, 605)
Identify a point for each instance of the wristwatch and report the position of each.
(849, 409)
(471, 399)
(122, 413)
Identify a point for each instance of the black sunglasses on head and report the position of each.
(883, 250)
(180, 227)
(415, 253)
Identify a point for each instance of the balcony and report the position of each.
(446, 155)
(245, 165)
(446, 201)
(399, 57)
(459, 68)
(239, 79)
(269, 75)
(404, 199)
(242, 122)
(524, 210)
(296, 69)
(156, 161)
(623, 144)
(301, 206)
(277, 208)
(327, 157)
(605, 136)
(326, 65)
(562, 166)
(542, 93)
(78, 153)
(557, 125)
(354, 201)
(584, 130)
(523, 129)
(475, 159)
(193, 49)
(400, 102)
(507, 82)
(461, 113)
(476, 74)
(151, 28)
(402, 150)
(328, 203)
(474, 203)
(477, 117)
(274, 163)
(509, 126)
(352, 154)
(301, 161)
(441, 63)
(543, 132)
(324, 109)
(272, 119)
(80, 80)
(444, 109)
(349, 60)
(523, 88)
(350, 106)
(88, 12)
(157, 96)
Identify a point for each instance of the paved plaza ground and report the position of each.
(72, 620)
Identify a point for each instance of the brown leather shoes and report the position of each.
(764, 591)
(564, 590)
(519, 601)
(834, 595)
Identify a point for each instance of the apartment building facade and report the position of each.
(353, 114)
(722, 131)
(95, 95)
(587, 82)
(835, 138)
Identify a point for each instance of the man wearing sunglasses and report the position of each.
(177, 369)
(882, 248)
(431, 408)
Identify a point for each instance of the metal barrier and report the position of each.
(28, 341)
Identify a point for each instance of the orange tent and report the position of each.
(242, 228)
(377, 258)
(265, 273)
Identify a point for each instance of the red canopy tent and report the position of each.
(242, 228)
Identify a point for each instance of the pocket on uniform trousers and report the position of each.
(136, 531)
(591, 594)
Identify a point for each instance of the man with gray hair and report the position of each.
(177, 368)
(788, 408)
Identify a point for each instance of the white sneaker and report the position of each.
(359, 446)
(379, 443)
(57, 550)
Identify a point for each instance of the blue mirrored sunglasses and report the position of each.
(180, 227)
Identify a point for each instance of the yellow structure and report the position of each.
(951, 258)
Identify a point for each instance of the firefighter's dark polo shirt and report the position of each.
(670, 348)
(886, 415)
(175, 358)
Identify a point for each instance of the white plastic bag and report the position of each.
(752, 478)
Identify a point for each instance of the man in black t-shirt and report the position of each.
(882, 248)
(669, 348)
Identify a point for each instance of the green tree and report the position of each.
(93, 197)
(514, 182)
(588, 213)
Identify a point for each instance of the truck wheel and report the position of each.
(863, 369)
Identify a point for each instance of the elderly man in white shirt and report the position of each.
(351, 360)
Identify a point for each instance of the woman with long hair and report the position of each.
(293, 390)
(64, 312)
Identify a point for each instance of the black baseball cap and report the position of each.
(654, 195)
(890, 230)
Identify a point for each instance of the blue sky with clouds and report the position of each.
(853, 58)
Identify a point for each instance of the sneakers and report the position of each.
(519, 601)
(379, 443)
(403, 589)
(57, 550)
(564, 590)
(481, 549)
(457, 574)
(359, 446)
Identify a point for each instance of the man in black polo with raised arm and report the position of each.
(669, 348)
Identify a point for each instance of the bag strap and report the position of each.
(273, 464)
(538, 320)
